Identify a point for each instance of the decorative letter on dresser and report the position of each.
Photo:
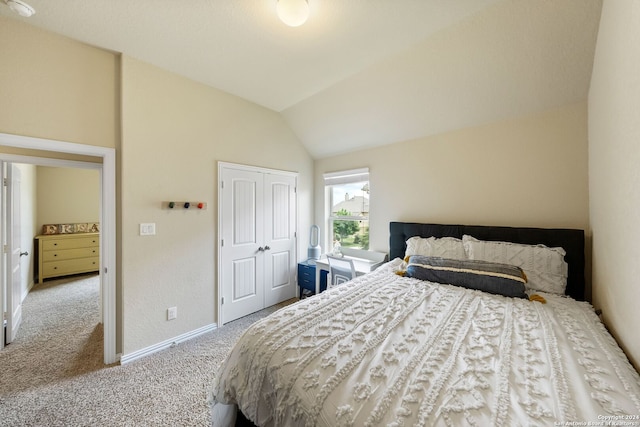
(64, 254)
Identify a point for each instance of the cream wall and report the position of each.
(614, 175)
(530, 171)
(174, 133)
(67, 195)
(56, 88)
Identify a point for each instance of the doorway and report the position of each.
(54, 213)
(107, 217)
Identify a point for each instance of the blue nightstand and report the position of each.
(307, 278)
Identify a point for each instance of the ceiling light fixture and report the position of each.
(20, 7)
(293, 12)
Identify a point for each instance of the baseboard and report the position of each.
(26, 292)
(126, 358)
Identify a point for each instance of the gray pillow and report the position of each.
(500, 279)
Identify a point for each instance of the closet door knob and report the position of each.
(260, 249)
(267, 248)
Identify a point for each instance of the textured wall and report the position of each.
(530, 171)
(57, 88)
(67, 195)
(614, 177)
(174, 133)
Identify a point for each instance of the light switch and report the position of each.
(148, 229)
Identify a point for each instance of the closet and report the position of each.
(257, 239)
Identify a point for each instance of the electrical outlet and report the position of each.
(172, 313)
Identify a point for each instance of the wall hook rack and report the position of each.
(184, 205)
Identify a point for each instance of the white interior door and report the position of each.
(280, 238)
(14, 272)
(241, 247)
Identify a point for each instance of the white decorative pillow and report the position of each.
(545, 267)
(445, 247)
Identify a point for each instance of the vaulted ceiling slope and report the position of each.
(359, 73)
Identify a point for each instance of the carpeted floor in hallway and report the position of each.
(53, 375)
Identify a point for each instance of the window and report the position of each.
(347, 196)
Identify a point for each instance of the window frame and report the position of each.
(332, 179)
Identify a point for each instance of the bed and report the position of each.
(392, 349)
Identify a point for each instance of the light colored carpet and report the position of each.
(53, 374)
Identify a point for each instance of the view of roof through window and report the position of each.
(349, 218)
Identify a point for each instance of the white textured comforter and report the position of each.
(393, 351)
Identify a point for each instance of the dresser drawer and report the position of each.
(309, 284)
(306, 274)
(67, 243)
(70, 266)
(306, 269)
(63, 254)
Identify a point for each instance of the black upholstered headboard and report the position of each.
(572, 241)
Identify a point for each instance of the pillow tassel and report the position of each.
(539, 298)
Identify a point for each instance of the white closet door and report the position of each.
(279, 238)
(241, 251)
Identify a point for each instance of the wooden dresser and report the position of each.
(64, 254)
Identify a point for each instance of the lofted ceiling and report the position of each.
(358, 73)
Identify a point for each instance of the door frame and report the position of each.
(227, 165)
(107, 171)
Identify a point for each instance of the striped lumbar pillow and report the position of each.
(501, 279)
